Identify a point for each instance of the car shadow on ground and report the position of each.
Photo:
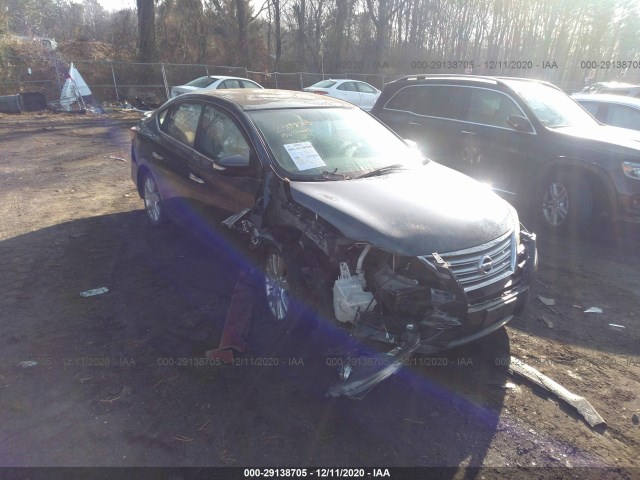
(120, 378)
(596, 268)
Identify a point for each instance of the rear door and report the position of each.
(494, 151)
(429, 115)
(169, 155)
(348, 91)
(368, 95)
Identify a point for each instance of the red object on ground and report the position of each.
(238, 321)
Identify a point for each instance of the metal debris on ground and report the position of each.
(617, 328)
(95, 291)
(547, 322)
(589, 413)
(506, 386)
(28, 363)
(593, 310)
(113, 157)
(547, 301)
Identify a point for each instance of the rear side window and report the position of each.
(591, 107)
(443, 101)
(364, 88)
(230, 84)
(182, 122)
(623, 116)
(348, 86)
(248, 84)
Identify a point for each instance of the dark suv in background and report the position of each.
(530, 141)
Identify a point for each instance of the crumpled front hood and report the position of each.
(410, 212)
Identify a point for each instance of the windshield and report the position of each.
(201, 82)
(552, 107)
(318, 142)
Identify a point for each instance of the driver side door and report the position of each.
(218, 189)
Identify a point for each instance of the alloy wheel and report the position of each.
(555, 204)
(277, 285)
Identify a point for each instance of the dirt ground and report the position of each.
(120, 379)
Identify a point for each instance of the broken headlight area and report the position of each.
(429, 303)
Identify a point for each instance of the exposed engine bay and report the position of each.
(415, 304)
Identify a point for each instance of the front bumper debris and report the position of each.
(367, 373)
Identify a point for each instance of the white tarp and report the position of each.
(74, 88)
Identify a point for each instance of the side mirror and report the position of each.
(410, 143)
(519, 123)
(233, 165)
(230, 161)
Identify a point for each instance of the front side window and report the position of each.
(182, 122)
(337, 141)
(219, 136)
(490, 107)
(552, 107)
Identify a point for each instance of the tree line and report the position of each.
(558, 40)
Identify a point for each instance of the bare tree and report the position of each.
(147, 49)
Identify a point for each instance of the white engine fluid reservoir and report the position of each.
(348, 296)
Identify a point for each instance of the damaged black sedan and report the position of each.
(350, 219)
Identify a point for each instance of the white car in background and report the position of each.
(353, 91)
(213, 82)
(610, 109)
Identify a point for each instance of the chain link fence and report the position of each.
(119, 81)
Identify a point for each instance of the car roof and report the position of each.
(470, 79)
(608, 98)
(615, 85)
(224, 77)
(268, 99)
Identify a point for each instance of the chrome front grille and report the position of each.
(483, 265)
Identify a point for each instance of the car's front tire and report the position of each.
(286, 296)
(153, 205)
(565, 202)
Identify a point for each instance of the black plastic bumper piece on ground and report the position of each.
(374, 370)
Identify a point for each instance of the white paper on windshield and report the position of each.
(304, 155)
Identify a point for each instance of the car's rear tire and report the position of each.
(565, 202)
(153, 205)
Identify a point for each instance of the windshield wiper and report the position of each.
(327, 175)
(383, 170)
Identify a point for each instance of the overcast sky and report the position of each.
(112, 5)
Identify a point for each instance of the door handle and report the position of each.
(468, 133)
(156, 156)
(195, 179)
(415, 124)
